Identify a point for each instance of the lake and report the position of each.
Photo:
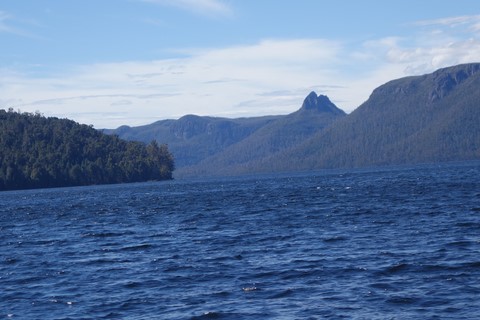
(380, 243)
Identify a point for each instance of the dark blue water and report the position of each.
(400, 243)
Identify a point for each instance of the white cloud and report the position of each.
(203, 7)
(451, 22)
(207, 82)
(269, 77)
(444, 42)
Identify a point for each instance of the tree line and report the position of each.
(40, 152)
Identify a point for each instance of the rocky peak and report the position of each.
(319, 103)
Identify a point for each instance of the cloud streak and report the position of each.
(8, 24)
(271, 76)
(207, 81)
(5, 26)
(452, 22)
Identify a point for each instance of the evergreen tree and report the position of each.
(39, 152)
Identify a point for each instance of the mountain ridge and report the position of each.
(405, 121)
(192, 138)
(316, 114)
(433, 117)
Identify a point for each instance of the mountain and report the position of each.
(316, 113)
(193, 138)
(39, 152)
(420, 119)
(321, 103)
(210, 145)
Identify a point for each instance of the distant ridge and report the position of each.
(230, 142)
(418, 119)
(192, 138)
(316, 114)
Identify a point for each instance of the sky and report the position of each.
(108, 63)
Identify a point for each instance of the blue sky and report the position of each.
(115, 62)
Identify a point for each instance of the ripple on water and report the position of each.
(377, 244)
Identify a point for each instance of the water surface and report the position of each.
(395, 243)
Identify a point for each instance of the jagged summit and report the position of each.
(320, 103)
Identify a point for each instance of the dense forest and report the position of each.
(40, 152)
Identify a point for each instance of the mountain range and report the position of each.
(419, 119)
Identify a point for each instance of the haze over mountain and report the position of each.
(428, 118)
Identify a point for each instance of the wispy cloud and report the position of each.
(4, 23)
(440, 43)
(206, 81)
(8, 24)
(451, 21)
(271, 76)
(202, 7)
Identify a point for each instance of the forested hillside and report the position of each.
(316, 114)
(211, 145)
(38, 152)
(422, 119)
(194, 138)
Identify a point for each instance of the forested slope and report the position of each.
(428, 118)
(316, 114)
(193, 138)
(39, 152)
